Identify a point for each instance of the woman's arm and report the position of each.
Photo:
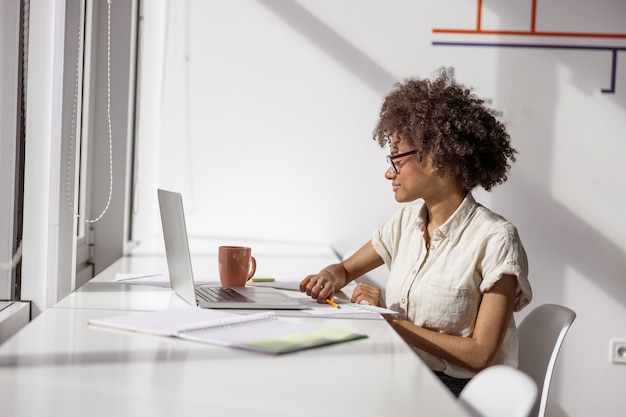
(478, 351)
(324, 284)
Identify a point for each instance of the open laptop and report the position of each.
(181, 274)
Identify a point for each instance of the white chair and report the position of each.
(541, 335)
(499, 391)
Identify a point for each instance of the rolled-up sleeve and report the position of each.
(505, 255)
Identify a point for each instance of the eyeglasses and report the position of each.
(392, 158)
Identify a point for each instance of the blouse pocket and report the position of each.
(446, 310)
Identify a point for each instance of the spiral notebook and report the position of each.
(261, 332)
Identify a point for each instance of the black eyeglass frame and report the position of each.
(391, 158)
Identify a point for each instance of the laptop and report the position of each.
(181, 273)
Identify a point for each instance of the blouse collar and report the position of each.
(451, 226)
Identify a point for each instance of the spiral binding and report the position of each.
(226, 321)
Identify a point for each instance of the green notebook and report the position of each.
(260, 332)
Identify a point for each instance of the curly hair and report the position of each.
(443, 118)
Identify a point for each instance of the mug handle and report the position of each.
(252, 268)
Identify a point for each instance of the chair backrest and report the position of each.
(499, 391)
(541, 335)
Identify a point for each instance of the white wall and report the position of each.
(260, 112)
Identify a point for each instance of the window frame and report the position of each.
(54, 243)
(11, 147)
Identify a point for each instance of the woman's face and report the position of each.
(414, 179)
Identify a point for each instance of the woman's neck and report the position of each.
(440, 210)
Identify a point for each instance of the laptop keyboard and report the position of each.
(219, 294)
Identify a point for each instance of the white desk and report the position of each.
(279, 260)
(59, 366)
(102, 292)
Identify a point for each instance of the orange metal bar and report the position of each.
(533, 28)
(528, 33)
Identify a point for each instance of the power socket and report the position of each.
(618, 351)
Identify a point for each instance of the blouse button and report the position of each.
(414, 272)
(403, 300)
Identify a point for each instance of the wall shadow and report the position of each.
(332, 43)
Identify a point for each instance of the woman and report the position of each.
(457, 271)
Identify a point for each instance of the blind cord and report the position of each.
(75, 113)
(16, 258)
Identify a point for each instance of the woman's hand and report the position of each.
(323, 285)
(368, 294)
(320, 286)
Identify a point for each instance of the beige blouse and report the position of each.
(441, 288)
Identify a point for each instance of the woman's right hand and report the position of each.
(320, 286)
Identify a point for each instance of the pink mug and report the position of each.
(236, 264)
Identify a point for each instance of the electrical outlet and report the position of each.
(618, 351)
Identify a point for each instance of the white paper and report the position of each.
(281, 285)
(345, 307)
(155, 280)
(260, 332)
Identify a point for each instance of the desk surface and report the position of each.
(59, 366)
(103, 292)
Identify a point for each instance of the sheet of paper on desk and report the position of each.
(279, 284)
(315, 308)
(154, 280)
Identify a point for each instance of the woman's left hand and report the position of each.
(368, 294)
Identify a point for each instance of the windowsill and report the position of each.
(5, 304)
(13, 316)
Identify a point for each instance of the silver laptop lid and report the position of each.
(177, 245)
